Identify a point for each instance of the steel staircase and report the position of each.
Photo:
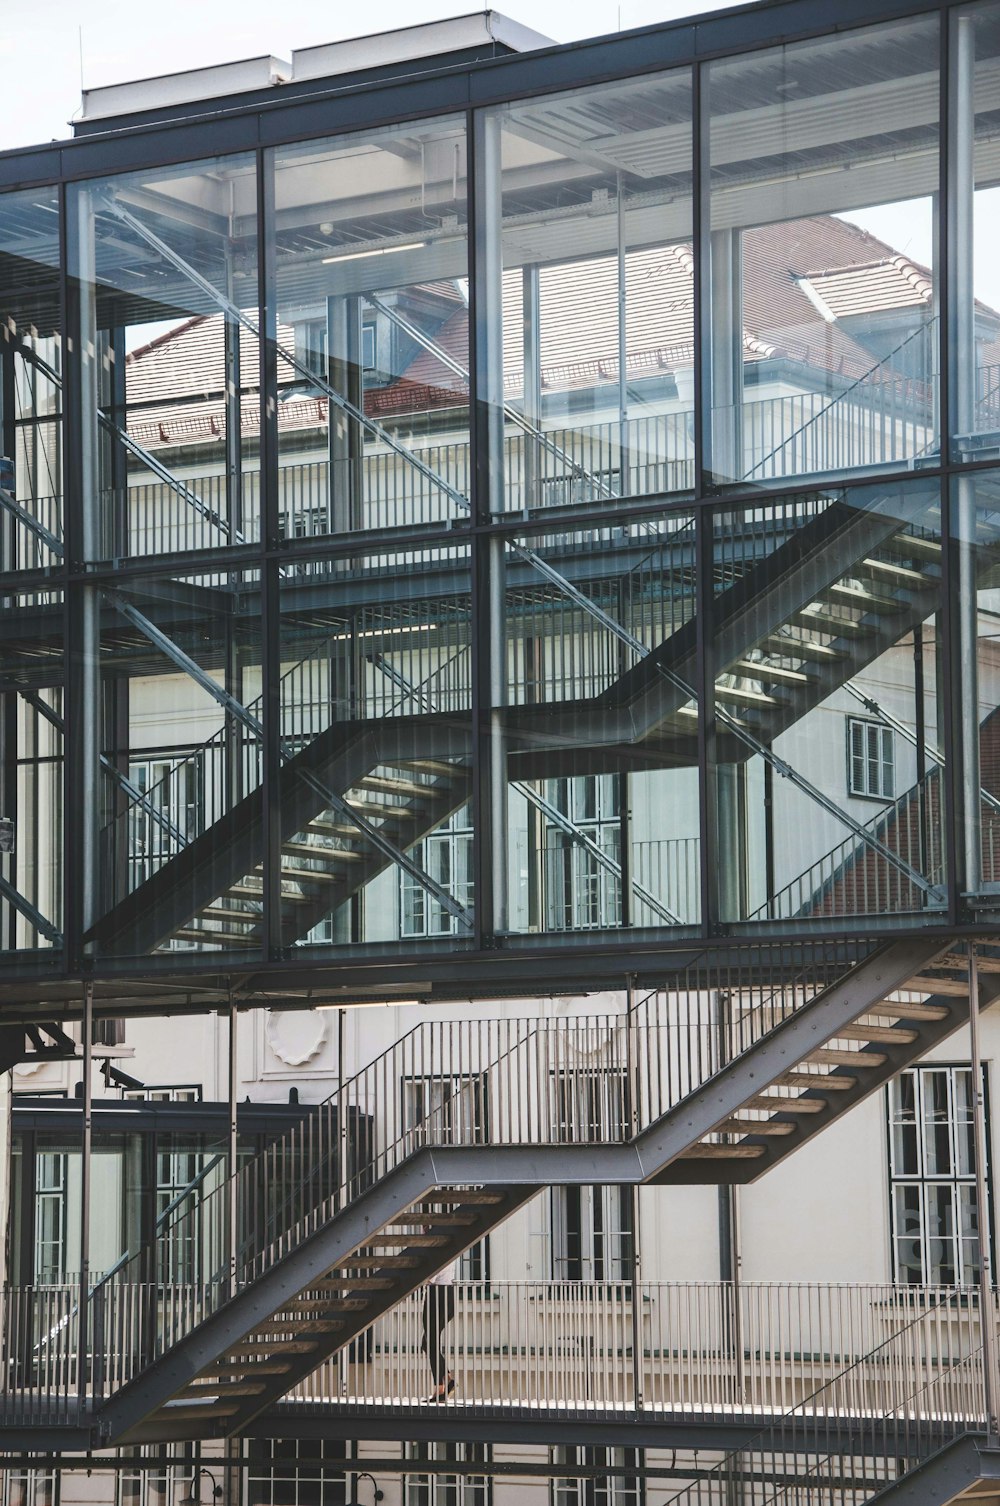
(708, 1100)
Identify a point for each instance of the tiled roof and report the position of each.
(852, 271)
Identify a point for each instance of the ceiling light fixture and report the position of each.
(377, 251)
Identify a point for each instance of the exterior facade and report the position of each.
(499, 555)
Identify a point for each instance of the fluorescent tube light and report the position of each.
(377, 251)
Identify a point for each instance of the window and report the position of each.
(186, 1092)
(277, 1477)
(935, 1220)
(459, 1106)
(581, 894)
(446, 855)
(177, 1167)
(602, 1487)
(870, 759)
(449, 1490)
(29, 1486)
(591, 1226)
(156, 1482)
(173, 787)
(50, 1217)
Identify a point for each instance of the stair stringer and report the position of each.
(965, 1470)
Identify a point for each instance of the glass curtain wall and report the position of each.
(32, 664)
(591, 294)
(372, 323)
(561, 640)
(822, 332)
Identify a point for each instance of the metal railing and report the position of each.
(852, 879)
(707, 1347)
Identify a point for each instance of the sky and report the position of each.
(48, 46)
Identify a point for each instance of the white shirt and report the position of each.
(447, 1276)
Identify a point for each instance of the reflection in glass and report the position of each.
(165, 264)
(974, 284)
(591, 324)
(376, 746)
(371, 268)
(181, 844)
(601, 728)
(822, 332)
(31, 480)
(976, 528)
(825, 618)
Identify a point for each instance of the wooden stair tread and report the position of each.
(885, 1035)
(753, 1127)
(887, 1009)
(722, 1152)
(838, 1082)
(788, 1105)
(829, 1056)
(951, 987)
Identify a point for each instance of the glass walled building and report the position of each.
(535, 508)
(514, 528)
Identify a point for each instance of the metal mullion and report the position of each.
(486, 553)
(269, 535)
(951, 647)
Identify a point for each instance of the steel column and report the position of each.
(987, 1305)
(85, 1187)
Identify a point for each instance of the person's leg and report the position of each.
(433, 1325)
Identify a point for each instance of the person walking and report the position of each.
(439, 1309)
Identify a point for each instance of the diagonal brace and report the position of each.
(236, 709)
(234, 312)
(137, 796)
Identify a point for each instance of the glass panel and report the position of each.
(973, 274)
(976, 524)
(371, 267)
(903, 1116)
(826, 603)
(591, 323)
(166, 268)
(908, 1225)
(376, 744)
(822, 330)
(182, 840)
(942, 1246)
(31, 459)
(601, 726)
(33, 667)
(937, 1117)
